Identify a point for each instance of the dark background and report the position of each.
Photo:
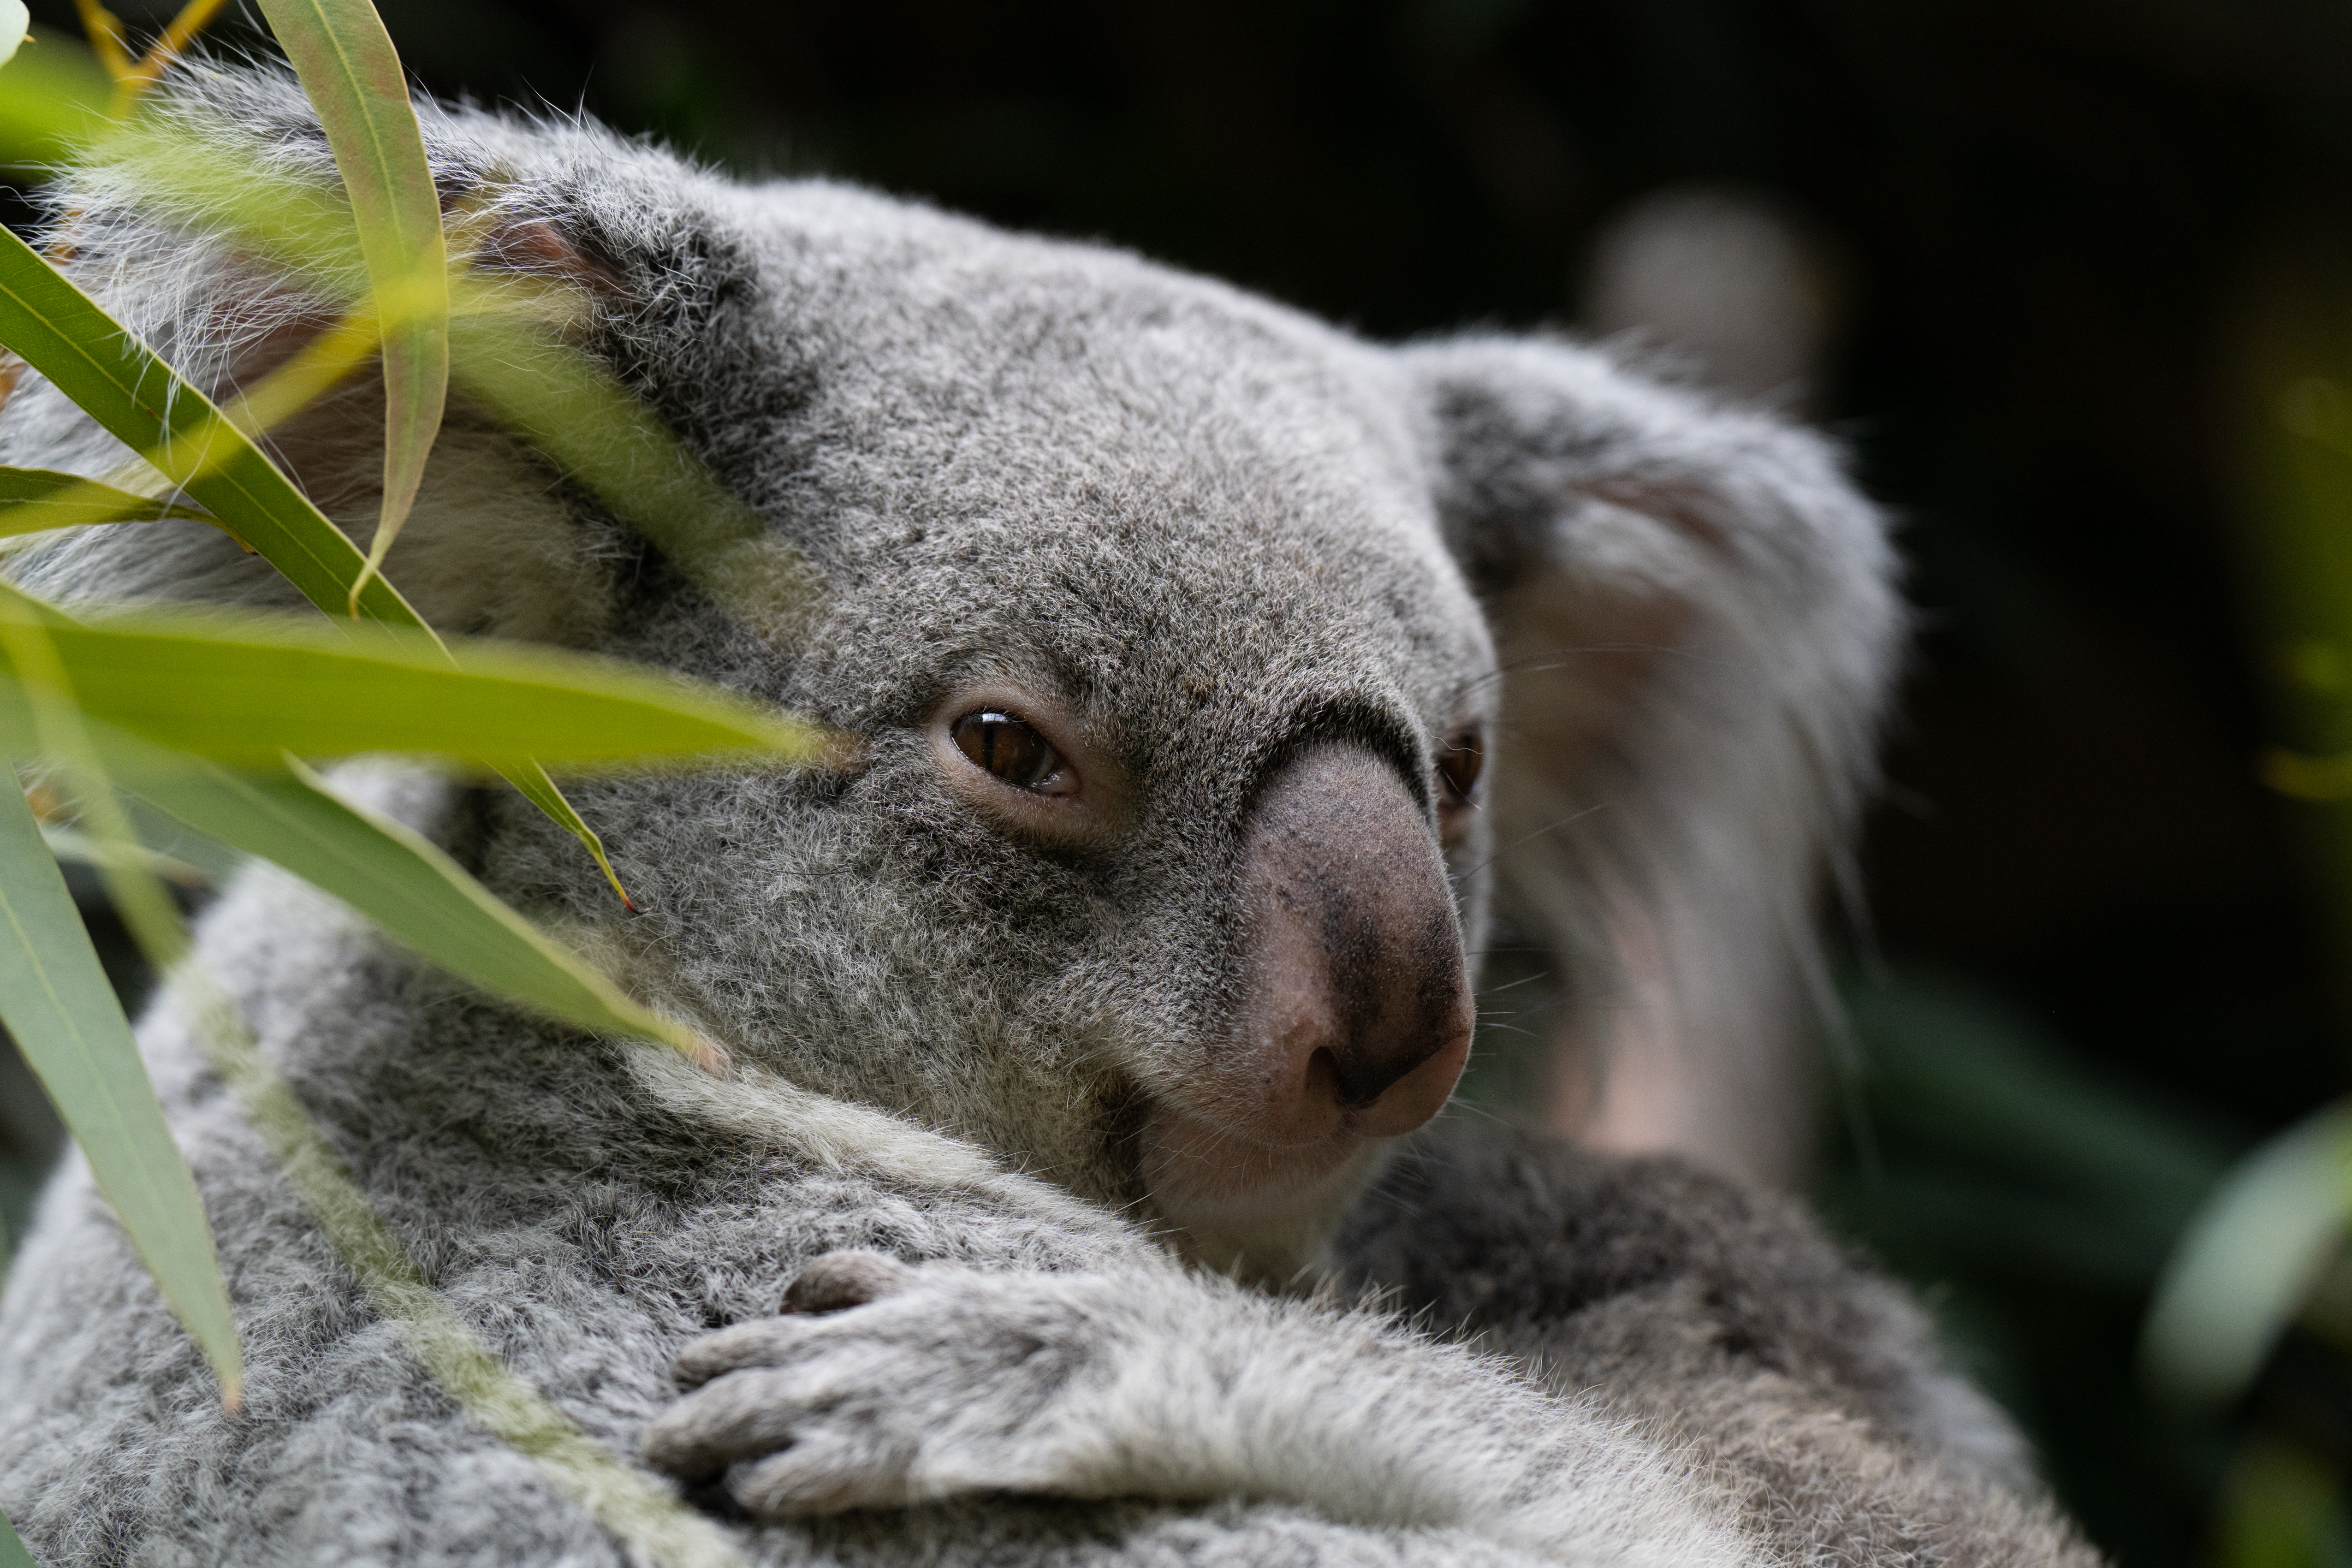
(2100, 966)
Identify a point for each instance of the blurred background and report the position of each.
(2073, 277)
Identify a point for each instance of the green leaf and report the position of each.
(141, 402)
(71, 843)
(57, 1003)
(33, 500)
(393, 875)
(245, 689)
(144, 402)
(12, 1551)
(2248, 1261)
(533, 784)
(349, 67)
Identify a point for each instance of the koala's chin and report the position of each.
(1259, 1212)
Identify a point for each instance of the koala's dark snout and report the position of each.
(1358, 1001)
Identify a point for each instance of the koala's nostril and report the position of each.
(1364, 1074)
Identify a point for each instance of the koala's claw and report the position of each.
(843, 1279)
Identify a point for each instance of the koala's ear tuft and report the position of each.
(495, 543)
(538, 248)
(1699, 622)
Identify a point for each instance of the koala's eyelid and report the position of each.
(1091, 800)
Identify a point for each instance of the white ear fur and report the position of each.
(1698, 624)
(492, 545)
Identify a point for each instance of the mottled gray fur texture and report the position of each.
(1223, 533)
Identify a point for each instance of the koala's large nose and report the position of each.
(1358, 1008)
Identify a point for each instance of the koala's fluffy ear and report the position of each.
(1699, 622)
(493, 543)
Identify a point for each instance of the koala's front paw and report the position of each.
(885, 1384)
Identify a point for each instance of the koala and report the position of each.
(1226, 686)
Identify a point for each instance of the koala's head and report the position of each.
(1162, 867)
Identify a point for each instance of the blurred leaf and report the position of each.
(506, 352)
(2249, 1260)
(12, 1551)
(56, 1002)
(245, 690)
(573, 410)
(144, 403)
(393, 875)
(71, 843)
(33, 500)
(53, 99)
(1948, 1067)
(348, 65)
(192, 19)
(2280, 1508)
(141, 402)
(14, 20)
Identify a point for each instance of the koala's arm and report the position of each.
(1723, 1318)
(895, 1384)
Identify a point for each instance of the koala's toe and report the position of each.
(838, 1280)
(821, 1474)
(741, 1416)
(764, 1342)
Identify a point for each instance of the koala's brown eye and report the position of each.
(1459, 763)
(1004, 746)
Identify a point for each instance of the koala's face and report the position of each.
(1173, 708)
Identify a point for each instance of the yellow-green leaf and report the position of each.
(57, 1003)
(71, 843)
(349, 67)
(33, 500)
(244, 690)
(144, 403)
(141, 402)
(53, 99)
(398, 879)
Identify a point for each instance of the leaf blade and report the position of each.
(242, 691)
(33, 500)
(348, 65)
(13, 1553)
(391, 875)
(56, 1002)
(2245, 1265)
(141, 402)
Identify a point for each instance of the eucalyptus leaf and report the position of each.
(57, 1003)
(245, 690)
(11, 1550)
(403, 882)
(141, 401)
(73, 846)
(348, 65)
(33, 500)
(53, 99)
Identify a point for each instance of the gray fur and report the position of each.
(1221, 533)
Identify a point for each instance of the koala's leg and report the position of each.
(898, 1384)
(1722, 1316)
